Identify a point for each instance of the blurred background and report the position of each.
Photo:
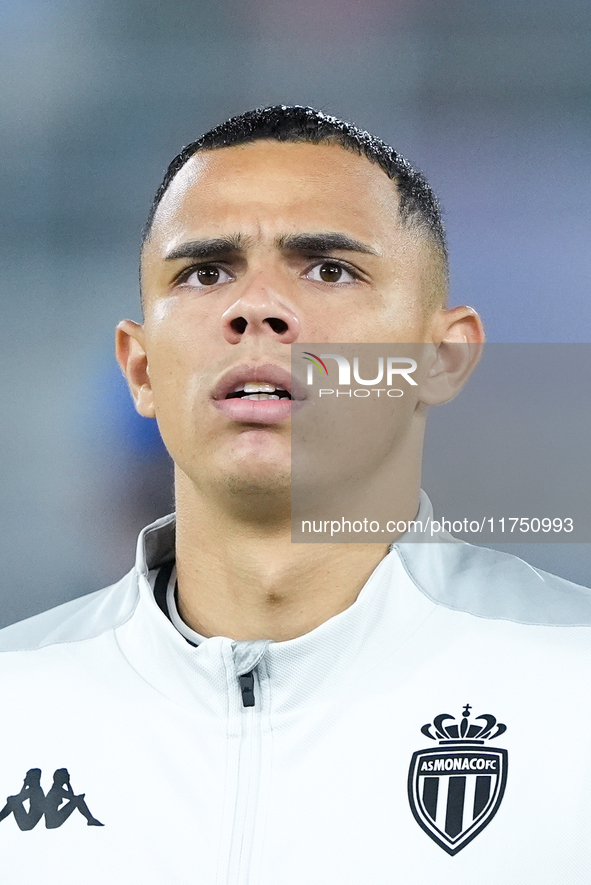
(490, 98)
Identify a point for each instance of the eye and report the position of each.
(206, 275)
(330, 272)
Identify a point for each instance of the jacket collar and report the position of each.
(291, 672)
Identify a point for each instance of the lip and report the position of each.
(257, 411)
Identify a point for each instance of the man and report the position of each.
(243, 709)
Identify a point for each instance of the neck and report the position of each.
(248, 580)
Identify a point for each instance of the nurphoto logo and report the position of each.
(392, 369)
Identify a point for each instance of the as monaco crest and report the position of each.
(455, 789)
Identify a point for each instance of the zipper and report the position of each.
(246, 762)
(246, 798)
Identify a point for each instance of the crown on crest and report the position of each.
(484, 727)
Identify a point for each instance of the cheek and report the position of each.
(396, 317)
(174, 341)
(175, 393)
(172, 372)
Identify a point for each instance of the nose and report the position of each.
(260, 311)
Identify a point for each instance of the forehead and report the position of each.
(275, 188)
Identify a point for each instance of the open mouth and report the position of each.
(258, 391)
(258, 394)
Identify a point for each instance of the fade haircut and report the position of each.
(418, 205)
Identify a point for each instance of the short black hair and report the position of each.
(418, 205)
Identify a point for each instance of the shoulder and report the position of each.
(491, 584)
(81, 619)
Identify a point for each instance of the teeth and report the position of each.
(258, 390)
(258, 387)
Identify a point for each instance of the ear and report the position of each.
(131, 356)
(459, 340)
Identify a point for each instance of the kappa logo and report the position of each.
(49, 805)
(456, 788)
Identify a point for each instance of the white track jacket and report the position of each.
(438, 730)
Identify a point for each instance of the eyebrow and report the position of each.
(322, 243)
(312, 243)
(214, 247)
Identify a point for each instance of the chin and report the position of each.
(256, 458)
(255, 483)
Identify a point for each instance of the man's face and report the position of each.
(253, 248)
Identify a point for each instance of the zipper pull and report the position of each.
(247, 654)
(247, 689)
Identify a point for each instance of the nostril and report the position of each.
(239, 325)
(278, 326)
